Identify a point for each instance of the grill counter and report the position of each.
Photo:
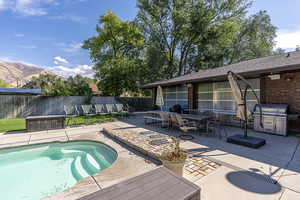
(274, 119)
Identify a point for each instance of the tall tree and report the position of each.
(53, 85)
(115, 51)
(178, 26)
(254, 39)
(278, 51)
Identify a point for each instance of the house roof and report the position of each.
(250, 68)
(95, 88)
(20, 91)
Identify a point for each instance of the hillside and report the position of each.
(17, 74)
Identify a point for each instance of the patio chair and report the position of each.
(184, 126)
(121, 109)
(88, 111)
(215, 126)
(111, 109)
(71, 112)
(100, 109)
(166, 122)
(174, 122)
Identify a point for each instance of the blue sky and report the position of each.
(48, 33)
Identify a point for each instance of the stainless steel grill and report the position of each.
(274, 119)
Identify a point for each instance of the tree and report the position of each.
(4, 84)
(116, 52)
(181, 27)
(255, 38)
(297, 48)
(278, 51)
(53, 85)
(170, 38)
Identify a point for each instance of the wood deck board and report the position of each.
(159, 184)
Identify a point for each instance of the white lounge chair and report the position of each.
(121, 109)
(88, 111)
(111, 108)
(100, 109)
(71, 112)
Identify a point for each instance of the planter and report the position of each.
(174, 166)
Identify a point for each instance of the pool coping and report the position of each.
(97, 181)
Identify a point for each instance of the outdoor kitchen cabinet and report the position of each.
(274, 120)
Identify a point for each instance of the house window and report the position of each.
(218, 96)
(175, 95)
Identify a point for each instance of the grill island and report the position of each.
(274, 119)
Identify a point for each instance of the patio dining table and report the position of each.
(195, 117)
(199, 119)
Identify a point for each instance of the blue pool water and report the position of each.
(37, 171)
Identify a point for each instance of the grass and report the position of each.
(8, 125)
(93, 119)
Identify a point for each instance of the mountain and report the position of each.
(17, 74)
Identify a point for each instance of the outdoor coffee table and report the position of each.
(41, 123)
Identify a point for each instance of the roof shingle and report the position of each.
(255, 67)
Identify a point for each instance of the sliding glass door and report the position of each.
(218, 97)
(175, 95)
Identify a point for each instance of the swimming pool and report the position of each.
(37, 171)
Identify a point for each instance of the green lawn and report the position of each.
(94, 119)
(7, 125)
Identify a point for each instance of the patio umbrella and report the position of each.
(237, 94)
(242, 112)
(159, 97)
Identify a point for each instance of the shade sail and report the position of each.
(159, 97)
(237, 94)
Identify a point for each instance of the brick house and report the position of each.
(276, 80)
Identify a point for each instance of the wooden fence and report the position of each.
(15, 106)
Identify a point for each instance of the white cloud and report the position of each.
(2, 4)
(288, 39)
(71, 48)
(59, 60)
(74, 18)
(19, 34)
(83, 70)
(26, 7)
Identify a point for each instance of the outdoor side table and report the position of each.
(42, 123)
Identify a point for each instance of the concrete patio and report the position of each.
(271, 172)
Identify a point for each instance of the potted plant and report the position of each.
(174, 159)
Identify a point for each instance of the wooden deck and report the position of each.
(159, 184)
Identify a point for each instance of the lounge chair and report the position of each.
(100, 109)
(88, 111)
(111, 108)
(121, 109)
(71, 112)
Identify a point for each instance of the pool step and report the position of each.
(101, 160)
(78, 170)
(92, 164)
